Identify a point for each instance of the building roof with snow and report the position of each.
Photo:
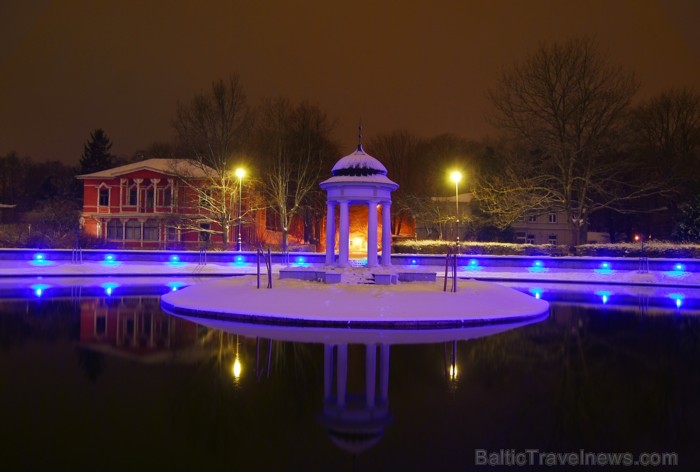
(174, 167)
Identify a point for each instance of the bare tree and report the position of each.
(667, 128)
(398, 150)
(214, 130)
(564, 105)
(294, 146)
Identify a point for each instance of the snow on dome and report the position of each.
(359, 163)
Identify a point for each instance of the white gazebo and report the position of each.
(358, 179)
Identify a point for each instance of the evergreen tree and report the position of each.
(96, 155)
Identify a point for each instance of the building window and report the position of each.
(552, 217)
(104, 197)
(272, 221)
(100, 325)
(552, 239)
(167, 196)
(149, 198)
(532, 218)
(115, 230)
(171, 233)
(530, 239)
(204, 232)
(205, 199)
(133, 230)
(150, 230)
(520, 237)
(133, 195)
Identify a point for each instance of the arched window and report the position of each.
(132, 195)
(133, 230)
(115, 230)
(150, 230)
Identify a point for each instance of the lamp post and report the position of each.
(456, 176)
(240, 173)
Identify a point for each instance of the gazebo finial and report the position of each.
(359, 138)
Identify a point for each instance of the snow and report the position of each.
(296, 301)
(359, 159)
(164, 166)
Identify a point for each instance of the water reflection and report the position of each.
(355, 420)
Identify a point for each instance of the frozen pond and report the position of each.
(93, 372)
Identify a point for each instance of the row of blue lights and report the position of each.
(40, 289)
(606, 295)
(40, 259)
(539, 266)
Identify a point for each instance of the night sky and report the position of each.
(68, 67)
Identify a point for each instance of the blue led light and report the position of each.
(677, 298)
(174, 258)
(537, 292)
(537, 266)
(39, 289)
(239, 259)
(679, 267)
(300, 260)
(413, 261)
(604, 296)
(39, 259)
(109, 287)
(473, 263)
(110, 258)
(175, 285)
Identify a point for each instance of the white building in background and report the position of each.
(543, 228)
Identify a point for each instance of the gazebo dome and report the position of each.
(357, 164)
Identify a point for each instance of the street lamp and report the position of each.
(456, 176)
(240, 173)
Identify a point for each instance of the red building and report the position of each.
(159, 203)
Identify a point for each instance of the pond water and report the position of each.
(95, 375)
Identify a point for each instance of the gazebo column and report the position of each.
(330, 233)
(372, 234)
(342, 373)
(327, 372)
(370, 373)
(344, 243)
(386, 233)
(384, 374)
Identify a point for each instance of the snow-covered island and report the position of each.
(406, 305)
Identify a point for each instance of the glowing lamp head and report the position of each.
(456, 176)
(637, 237)
(240, 173)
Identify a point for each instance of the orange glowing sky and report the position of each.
(69, 67)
